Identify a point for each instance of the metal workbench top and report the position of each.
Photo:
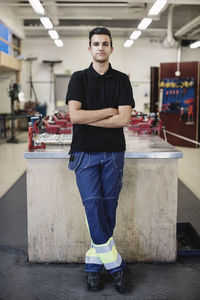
(137, 146)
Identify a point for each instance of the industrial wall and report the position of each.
(135, 61)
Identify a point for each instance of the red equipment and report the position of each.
(57, 126)
(51, 128)
(55, 129)
(62, 123)
(143, 123)
(63, 116)
(58, 117)
(31, 144)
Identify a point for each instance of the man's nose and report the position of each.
(100, 46)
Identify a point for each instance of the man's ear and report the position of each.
(112, 49)
(89, 49)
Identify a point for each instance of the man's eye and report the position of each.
(95, 44)
(105, 44)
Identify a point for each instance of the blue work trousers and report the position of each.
(99, 180)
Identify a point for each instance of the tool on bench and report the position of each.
(145, 123)
(33, 128)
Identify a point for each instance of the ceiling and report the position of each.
(76, 18)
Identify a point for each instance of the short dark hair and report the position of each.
(100, 30)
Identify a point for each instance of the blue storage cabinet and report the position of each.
(5, 34)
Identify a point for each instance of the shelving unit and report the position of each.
(172, 120)
(9, 63)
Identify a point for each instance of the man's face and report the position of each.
(100, 48)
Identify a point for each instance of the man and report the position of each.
(100, 102)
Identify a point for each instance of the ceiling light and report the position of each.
(157, 7)
(135, 35)
(195, 45)
(128, 43)
(59, 43)
(53, 34)
(144, 23)
(46, 22)
(37, 6)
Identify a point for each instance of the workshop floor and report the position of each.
(189, 169)
(12, 162)
(22, 280)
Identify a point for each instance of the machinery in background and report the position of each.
(58, 124)
(54, 125)
(15, 95)
(51, 127)
(51, 63)
(13, 92)
(145, 123)
(33, 128)
(32, 88)
(64, 116)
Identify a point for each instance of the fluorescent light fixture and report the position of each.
(59, 43)
(128, 43)
(195, 45)
(144, 23)
(135, 35)
(53, 34)
(37, 6)
(157, 7)
(46, 22)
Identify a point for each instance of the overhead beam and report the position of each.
(186, 28)
(74, 4)
(84, 27)
(178, 2)
(102, 3)
(184, 2)
(195, 32)
(92, 12)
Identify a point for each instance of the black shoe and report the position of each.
(120, 280)
(94, 282)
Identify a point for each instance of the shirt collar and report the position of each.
(93, 73)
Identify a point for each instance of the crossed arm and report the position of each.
(107, 117)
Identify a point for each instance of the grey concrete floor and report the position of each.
(22, 280)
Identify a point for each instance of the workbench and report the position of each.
(147, 210)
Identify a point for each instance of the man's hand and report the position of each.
(80, 116)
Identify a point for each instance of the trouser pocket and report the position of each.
(75, 160)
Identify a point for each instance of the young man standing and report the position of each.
(100, 101)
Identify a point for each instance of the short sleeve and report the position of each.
(75, 89)
(126, 92)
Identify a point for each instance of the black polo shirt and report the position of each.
(96, 91)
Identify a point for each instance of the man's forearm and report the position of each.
(81, 116)
(116, 121)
